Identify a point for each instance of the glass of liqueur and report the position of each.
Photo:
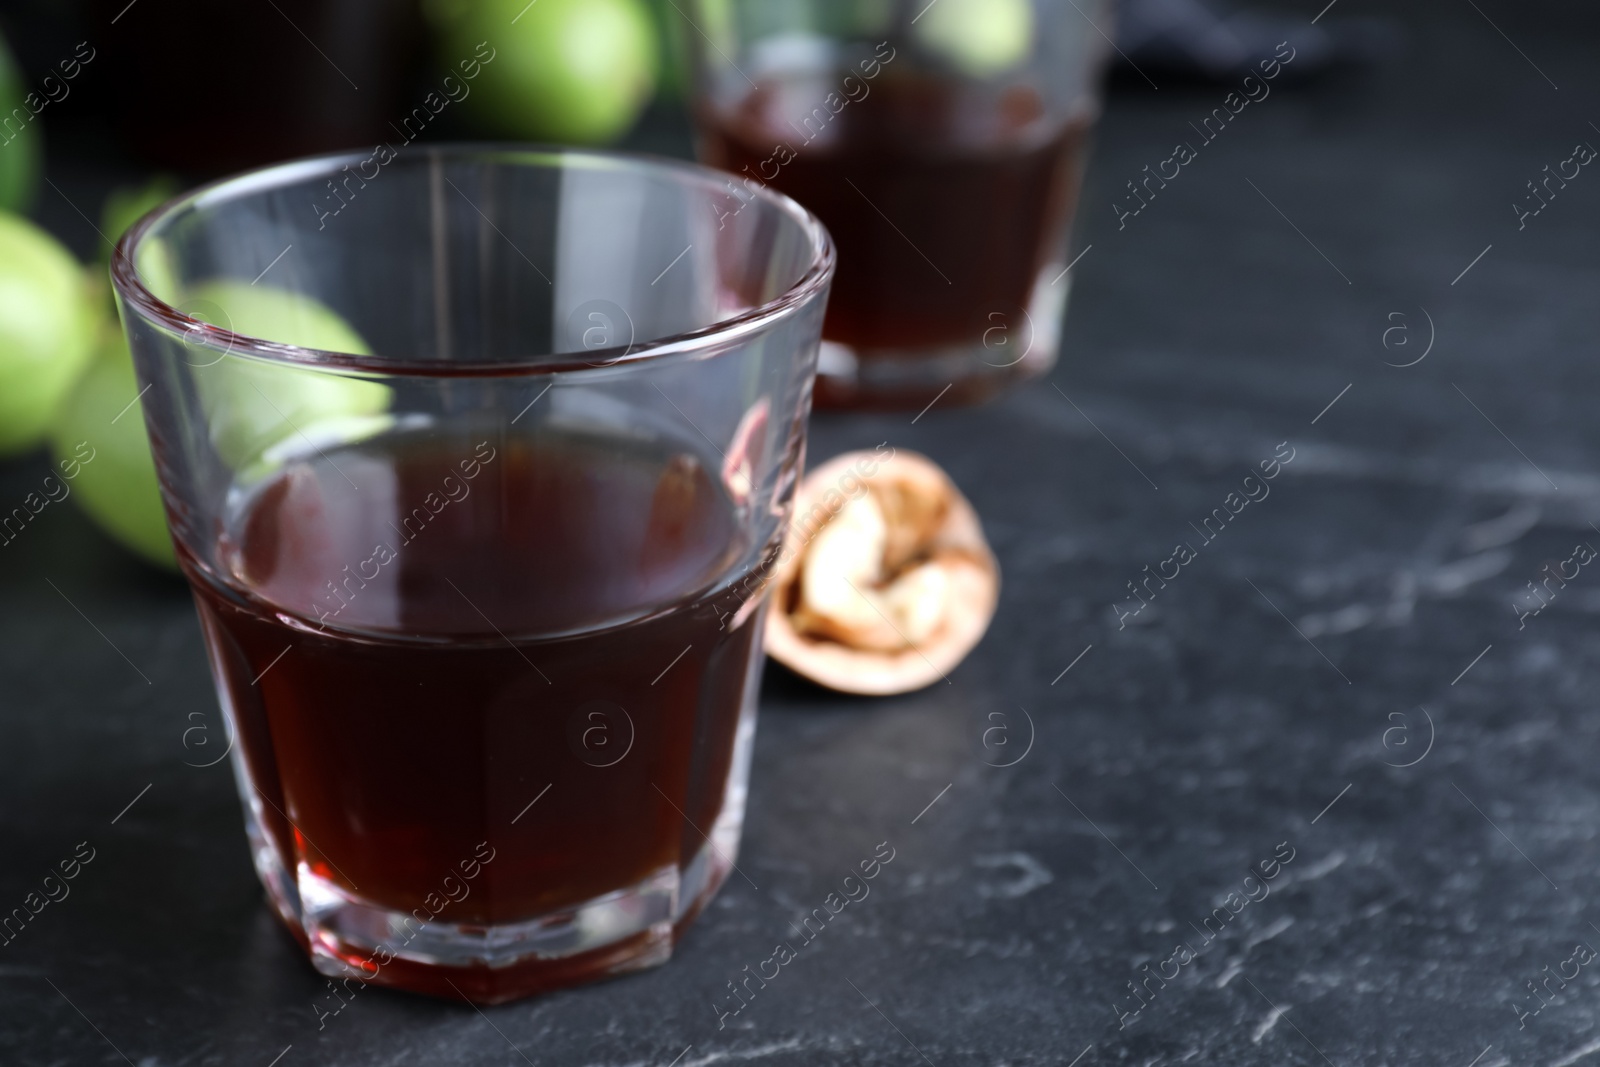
(475, 483)
(942, 144)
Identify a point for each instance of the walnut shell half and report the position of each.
(885, 582)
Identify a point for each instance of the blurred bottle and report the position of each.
(208, 87)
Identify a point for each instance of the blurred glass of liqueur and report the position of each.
(470, 481)
(942, 144)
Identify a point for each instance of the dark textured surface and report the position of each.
(1176, 753)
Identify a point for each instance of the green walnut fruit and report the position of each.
(982, 38)
(103, 419)
(571, 71)
(19, 138)
(48, 319)
(251, 404)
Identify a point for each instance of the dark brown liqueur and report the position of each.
(415, 636)
(945, 203)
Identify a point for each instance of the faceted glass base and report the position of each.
(626, 930)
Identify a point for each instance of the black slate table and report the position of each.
(1337, 758)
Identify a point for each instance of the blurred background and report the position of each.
(109, 107)
(1260, 300)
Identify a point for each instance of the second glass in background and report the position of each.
(942, 144)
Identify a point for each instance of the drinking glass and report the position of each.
(942, 143)
(474, 459)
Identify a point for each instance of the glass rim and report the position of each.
(131, 289)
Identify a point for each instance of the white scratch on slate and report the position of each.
(1578, 1054)
(1267, 1024)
